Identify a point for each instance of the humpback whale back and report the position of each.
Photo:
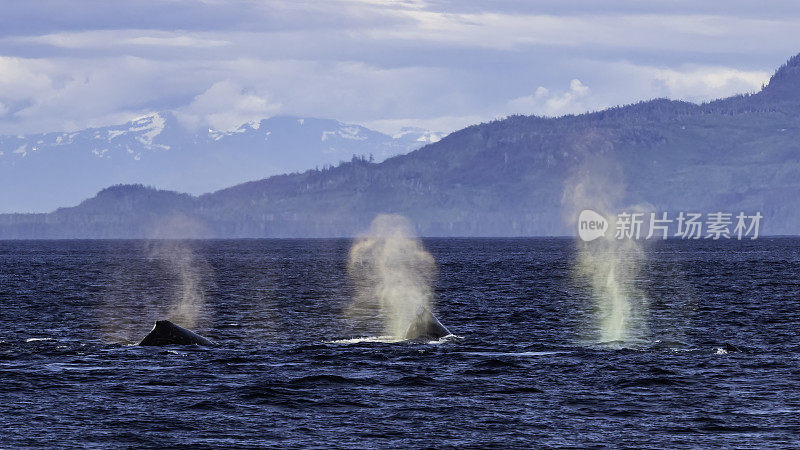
(426, 326)
(167, 333)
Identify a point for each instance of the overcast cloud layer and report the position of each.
(67, 65)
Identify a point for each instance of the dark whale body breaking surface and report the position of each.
(167, 333)
(426, 326)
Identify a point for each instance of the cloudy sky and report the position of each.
(439, 64)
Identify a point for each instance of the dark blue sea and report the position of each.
(719, 364)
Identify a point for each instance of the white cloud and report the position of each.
(21, 79)
(114, 39)
(176, 41)
(72, 93)
(62, 94)
(506, 31)
(348, 91)
(67, 94)
(631, 83)
(429, 63)
(225, 106)
(700, 84)
(546, 103)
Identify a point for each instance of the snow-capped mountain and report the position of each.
(43, 171)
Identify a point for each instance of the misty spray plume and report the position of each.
(161, 279)
(181, 263)
(392, 274)
(164, 281)
(610, 266)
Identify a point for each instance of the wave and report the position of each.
(393, 340)
(45, 339)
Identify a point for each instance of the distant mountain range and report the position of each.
(43, 171)
(509, 177)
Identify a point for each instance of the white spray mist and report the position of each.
(392, 274)
(611, 266)
(167, 284)
(188, 298)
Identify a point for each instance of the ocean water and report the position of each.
(719, 364)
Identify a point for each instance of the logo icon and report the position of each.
(591, 225)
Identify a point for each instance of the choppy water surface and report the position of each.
(719, 365)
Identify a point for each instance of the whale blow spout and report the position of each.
(167, 333)
(426, 326)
